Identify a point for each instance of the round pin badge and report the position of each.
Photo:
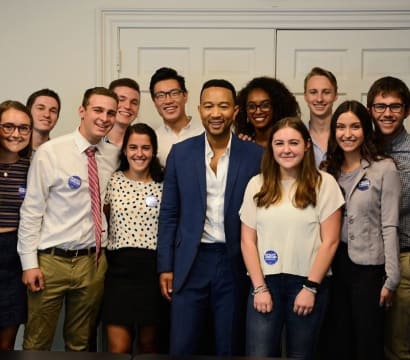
(151, 201)
(22, 191)
(271, 257)
(74, 182)
(364, 185)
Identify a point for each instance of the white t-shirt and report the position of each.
(288, 238)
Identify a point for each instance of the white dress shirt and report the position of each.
(56, 211)
(167, 137)
(214, 229)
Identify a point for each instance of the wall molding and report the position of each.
(110, 21)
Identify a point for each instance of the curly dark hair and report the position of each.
(283, 102)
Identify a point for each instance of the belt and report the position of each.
(68, 253)
(219, 246)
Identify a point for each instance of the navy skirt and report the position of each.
(13, 294)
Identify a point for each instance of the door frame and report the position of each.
(111, 21)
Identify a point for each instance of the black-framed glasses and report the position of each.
(9, 128)
(394, 108)
(173, 94)
(264, 106)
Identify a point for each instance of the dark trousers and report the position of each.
(354, 325)
(211, 288)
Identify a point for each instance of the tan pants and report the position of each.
(397, 344)
(79, 283)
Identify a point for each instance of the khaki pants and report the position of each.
(79, 283)
(397, 344)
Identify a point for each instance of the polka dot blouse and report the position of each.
(134, 212)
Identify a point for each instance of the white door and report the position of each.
(356, 57)
(198, 54)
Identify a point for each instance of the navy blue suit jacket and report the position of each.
(183, 206)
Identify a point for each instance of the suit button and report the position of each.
(351, 237)
(351, 221)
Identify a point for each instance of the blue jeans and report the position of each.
(264, 331)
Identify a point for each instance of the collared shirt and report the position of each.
(320, 155)
(214, 230)
(57, 208)
(400, 152)
(167, 137)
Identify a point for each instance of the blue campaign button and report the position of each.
(22, 191)
(74, 182)
(271, 257)
(364, 185)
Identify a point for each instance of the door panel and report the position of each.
(199, 55)
(356, 57)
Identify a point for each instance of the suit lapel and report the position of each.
(233, 169)
(199, 160)
(364, 165)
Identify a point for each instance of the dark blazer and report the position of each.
(183, 205)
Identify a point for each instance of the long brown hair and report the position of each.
(307, 181)
(368, 150)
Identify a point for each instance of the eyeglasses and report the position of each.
(264, 106)
(173, 94)
(381, 107)
(10, 128)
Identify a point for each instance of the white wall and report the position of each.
(52, 43)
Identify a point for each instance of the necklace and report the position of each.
(5, 169)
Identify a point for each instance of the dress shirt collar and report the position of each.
(208, 149)
(186, 127)
(399, 137)
(82, 143)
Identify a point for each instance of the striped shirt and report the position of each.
(13, 180)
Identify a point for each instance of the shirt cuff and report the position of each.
(29, 261)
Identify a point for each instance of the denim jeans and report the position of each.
(264, 331)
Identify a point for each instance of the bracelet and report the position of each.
(312, 285)
(310, 289)
(260, 289)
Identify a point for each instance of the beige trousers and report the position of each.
(397, 342)
(80, 284)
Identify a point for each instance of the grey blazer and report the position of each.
(373, 217)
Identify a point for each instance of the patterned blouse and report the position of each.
(134, 210)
